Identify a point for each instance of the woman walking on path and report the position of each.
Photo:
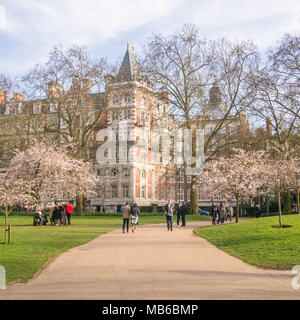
(125, 215)
(134, 217)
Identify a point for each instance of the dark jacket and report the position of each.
(134, 211)
(56, 213)
(184, 210)
(170, 213)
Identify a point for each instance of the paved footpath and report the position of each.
(152, 264)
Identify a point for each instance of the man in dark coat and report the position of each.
(169, 211)
(178, 212)
(214, 213)
(184, 211)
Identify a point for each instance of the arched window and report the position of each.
(114, 172)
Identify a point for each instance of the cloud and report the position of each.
(81, 22)
(2, 18)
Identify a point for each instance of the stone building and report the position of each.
(139, 120)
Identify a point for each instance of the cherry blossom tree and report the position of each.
(282, 171)
(11, 192)
(239, 177)
(47, 173)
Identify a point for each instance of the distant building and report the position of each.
(139, 175)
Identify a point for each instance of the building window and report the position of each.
(114, 191)
(114, 172)
(143, 192)
(125, 191)
(127, 114)
(98, 172)
(162, 193)
(156, 193)
(115, 99)
(143, 174)
(127, 98)
(189, 195)
(181, 195)
(157, 107)
(143, 101)
(126, 173)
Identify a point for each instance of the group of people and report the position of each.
(180, 210)
(221, 213)
(131, 213)
(58, 215)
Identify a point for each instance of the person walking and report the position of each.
(169, 211)
(62, 215)
(56, 214)
(125, 215)
(134, 216)
(69, 211)
(184, 211)
(214, 213)
(222, 213)
(230, 212)
(178, 212)
(257, 211)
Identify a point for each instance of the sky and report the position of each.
(30, 28)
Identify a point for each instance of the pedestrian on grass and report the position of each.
(169, 212)
(125, 215)
(214, 213)
(230, 212)
(69, 211)
(222, 213)
(134, 217)
(62, 215)
(55, 214)
(257, 211)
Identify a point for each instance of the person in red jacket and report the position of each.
(69, 211)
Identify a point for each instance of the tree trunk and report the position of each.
(194, 182)
(279, 209)
(79, 204)
(237, 210)
(298, 200)
(5, 224)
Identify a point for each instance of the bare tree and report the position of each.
(278, 95)
(187, 66)
(70, 89)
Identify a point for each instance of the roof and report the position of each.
(130, 68)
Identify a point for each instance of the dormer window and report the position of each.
(127, 98)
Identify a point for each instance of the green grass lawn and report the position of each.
(32, 246)
(256, 242)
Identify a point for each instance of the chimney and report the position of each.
(3, 96)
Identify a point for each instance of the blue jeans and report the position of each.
(169, 222)
(127, 224)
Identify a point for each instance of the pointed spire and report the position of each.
(130, 69)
